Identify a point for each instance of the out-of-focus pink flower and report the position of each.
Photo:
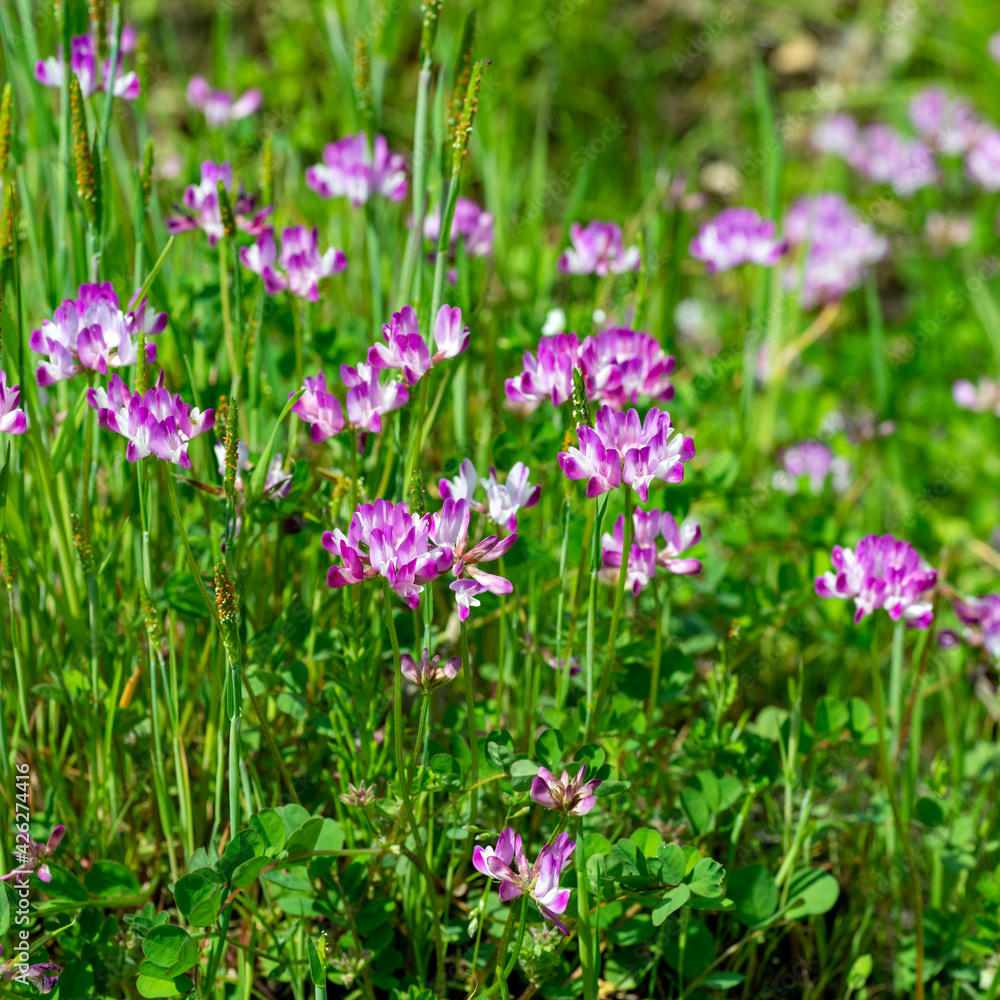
(948, 123)
(155, 423)
(12, 418)
(350, 170)
(83, 62)
(473, 224)
(572, 796)
(981, 618)
(840, 247)
(943, 232)
(300, 267)
(550, 375)
(621, 448)
(598, 249)
(814, 460)
(836, 134)
(980, 398)
(881, 573)
(201, 208)
(513, 495)
(428, 673)
(218, 106)
(982, 161)
(386, 540)
(886, 157)
(92, 332)
(507, 864)
(737, 236)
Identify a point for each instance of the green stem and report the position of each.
(902, 829)
(425, 702)
(374, 269)
(470, 708)
(404, 791)
(562, 675)
(584, 933)
(593, 718)
(662, 634)
(415, 238)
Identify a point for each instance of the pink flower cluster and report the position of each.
(218, 106)
(881, 573)
(598, 249)
(619, 365)
(503, 500)
(155, 423)
(201, 206)
(92, 332)
(816, 461)
(83, 62)
(840, 247)
(737, 236)
(879, 153)
(299, 268)
(540, 881)
(42, 975)
(644, 555)
(620, 448)
(428, 673)
(350, 170)
(368, 400)
(385, 540)
(405, 348)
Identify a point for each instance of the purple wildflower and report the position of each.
(84, 64)
(540, 881)
(405, 348)
(319, 408)
(840, 247)
(598, 249)
(43, 975)
(155, 423)
(34, 856)
(550, 375)
(349, 169)
(618, 366)
(881, 573)
(737, 236)
(385, 539)
(92, 332)
(368, 400)
(449, 531)
(12, 418)
(620, 448)
(514, 494)
(427, 673)
(218, 106)
(567, 795)
(644, 555)
(201, 206)
(979, 398)
(300, 260)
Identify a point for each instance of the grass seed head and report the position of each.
(6, 123)
(226, 210)
(146, 177)
(581, 404)
(86, 180)
(362, 77)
